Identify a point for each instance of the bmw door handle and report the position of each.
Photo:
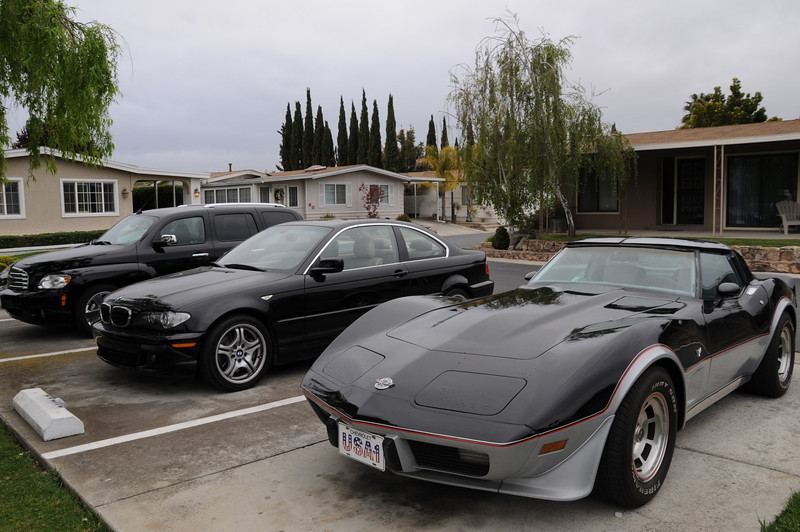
(400, 273)
(200, 255)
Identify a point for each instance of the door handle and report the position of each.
(200, 255)
(400, 273)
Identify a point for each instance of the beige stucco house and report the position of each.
(79, 197)
(316, 192)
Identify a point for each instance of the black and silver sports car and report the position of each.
(577, 381)
(280, 296)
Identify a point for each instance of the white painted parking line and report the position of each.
(55, 353)
(170, 428)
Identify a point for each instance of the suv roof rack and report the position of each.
(233, 204)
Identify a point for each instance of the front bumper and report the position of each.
(147, 351)
(39, 308)
(526, 467)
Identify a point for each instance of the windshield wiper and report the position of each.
(100, 243)
(242, 267)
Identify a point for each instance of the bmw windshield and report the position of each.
(281, 247)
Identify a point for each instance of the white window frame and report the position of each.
(289, 202)
(348, 188)
(388, 198)
(80, 214)
(20, 199)
(227, 191)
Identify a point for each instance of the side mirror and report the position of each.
(529, 275)
(326, 266)
(166, 240)
(728, 289)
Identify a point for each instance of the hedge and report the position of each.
(48, 239)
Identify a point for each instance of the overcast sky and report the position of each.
(206, 83)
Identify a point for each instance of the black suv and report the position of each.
(67, 286)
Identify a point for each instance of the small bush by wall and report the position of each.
(48, 239)
(501, 238)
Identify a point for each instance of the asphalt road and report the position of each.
(171, 454)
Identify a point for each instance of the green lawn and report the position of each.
(34, 499)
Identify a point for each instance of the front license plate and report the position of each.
(362, 446)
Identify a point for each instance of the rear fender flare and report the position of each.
(455, 281)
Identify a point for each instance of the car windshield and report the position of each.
(662, 270)
(128, 230)
(280, 247)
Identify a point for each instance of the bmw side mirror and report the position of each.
(326, 266)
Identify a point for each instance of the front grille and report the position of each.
(449, 459)
(18, 279)
(116, 315)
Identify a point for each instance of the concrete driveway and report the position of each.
(171, 454)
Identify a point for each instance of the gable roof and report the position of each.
(313, 172)
(108, 163)
(714, 136)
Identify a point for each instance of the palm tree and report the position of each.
(446, 164)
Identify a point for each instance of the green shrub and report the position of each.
(501, 238)
(48, 239)
(404, 218)
(5, 260)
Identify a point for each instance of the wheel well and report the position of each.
(676, 374)
(259, 317)
(455, 281)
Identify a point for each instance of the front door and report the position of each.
(683, 191)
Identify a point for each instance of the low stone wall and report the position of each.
(779, 260)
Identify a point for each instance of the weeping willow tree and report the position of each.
(63, 73)
(531, 135)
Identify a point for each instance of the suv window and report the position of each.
(277, 217)
(235, 226)
(186, 230)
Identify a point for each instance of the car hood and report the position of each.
(77, 257)
(526, 322)
(191, 287)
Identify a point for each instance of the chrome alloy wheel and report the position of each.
(785, 358)
(240, 353)
(650, 437)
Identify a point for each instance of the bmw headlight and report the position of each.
(54, 280)
(165, 320)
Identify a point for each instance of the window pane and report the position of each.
(330, 194)
(244, 195)
(208, 196)
(69, 197)
(293, 197)
(221, 196)
(108, 197)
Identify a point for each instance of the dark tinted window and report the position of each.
(232, 227)
(186, 230)
(716, 269)
(277, 217)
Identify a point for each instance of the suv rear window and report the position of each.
(234, 227)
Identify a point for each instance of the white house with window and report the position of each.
(79, 197)
(317, 192)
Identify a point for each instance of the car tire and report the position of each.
(639, 448)
(236, 353)
(87, 306)
(457, 292)
(774, 373)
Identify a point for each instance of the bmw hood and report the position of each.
(526, 322)
(183, 289)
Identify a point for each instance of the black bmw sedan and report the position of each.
(281, 296)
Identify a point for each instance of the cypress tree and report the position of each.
(445, 142)
(341, 136)
(352, 142)
(286, 141)
(363, 132)
(319, 138)
(328, 153)
(390, 148)
(308, 132)
(431, 140)
(297, 138)
(375, 156)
